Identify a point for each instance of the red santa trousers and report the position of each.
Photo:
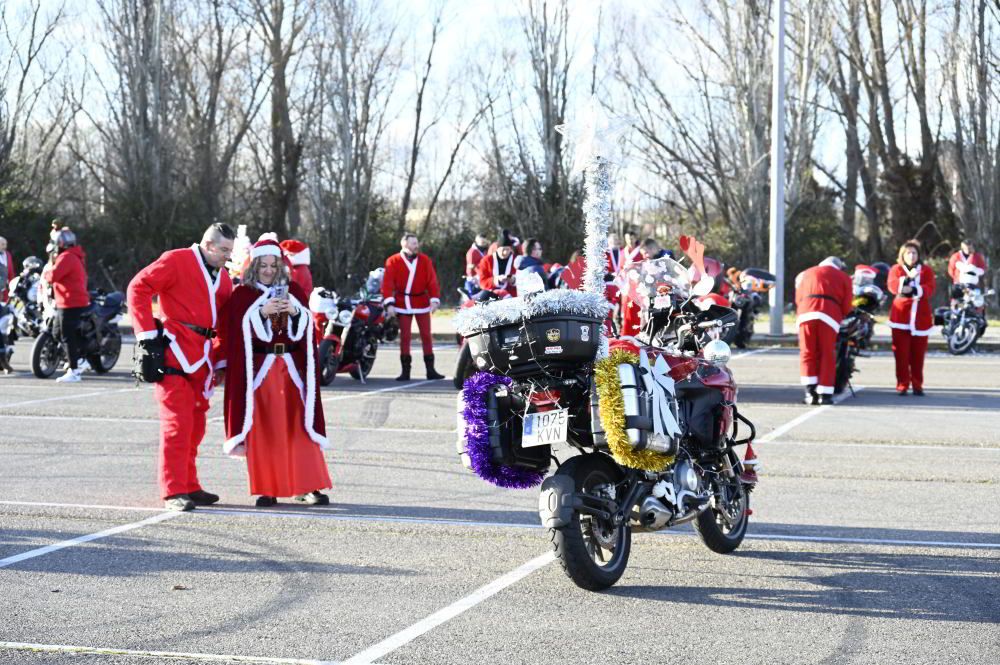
(182, 427)
(909, 350)
(631, 317)
(818, 355)
(406, 332)
(281, 458)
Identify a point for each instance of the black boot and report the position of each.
(811, 398)
(407, 362)
(431, 372)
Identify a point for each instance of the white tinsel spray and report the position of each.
(513, 310)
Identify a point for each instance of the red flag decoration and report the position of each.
(695, 251)
(573, 274)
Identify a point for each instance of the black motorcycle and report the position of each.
(101, 339)
(964, 322)
(746, 296)
(24, 299)
(856, 331)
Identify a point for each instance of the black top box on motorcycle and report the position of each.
(556, 342)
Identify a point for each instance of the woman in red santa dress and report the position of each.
(912, 283)
(273, 413)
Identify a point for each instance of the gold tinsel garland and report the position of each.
(611, 406)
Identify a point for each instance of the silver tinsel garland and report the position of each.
(513, 310)
(597, 213)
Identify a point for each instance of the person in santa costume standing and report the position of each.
(910, 317)
(274, 416)
(193, 287)
(823, 297)
(7, 270)
(965, 268)
(410, 291)
(497, 269)
(473, 256)
(296, 253)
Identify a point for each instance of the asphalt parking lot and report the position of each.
(875, 537)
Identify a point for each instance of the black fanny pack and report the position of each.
(149, 358)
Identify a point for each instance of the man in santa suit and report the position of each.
(410, 290)
(296, 253)
(965, 267)
(505, 235)
(496, 270)
(193, 287)
(823, 296)
(473, 256)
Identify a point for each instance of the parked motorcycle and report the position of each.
(655, 423)
(748, 289)
(351, 329)
(964, 321)
(101, 339)
(25, 299)
(858, 327)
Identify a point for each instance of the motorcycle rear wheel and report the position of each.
(46, 355)
(464, 368)
(962, 337)
(723, 527)
(329, 363)
(104, 361)
(844, 368)
(592, 552)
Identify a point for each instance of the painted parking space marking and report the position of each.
(445, 614)
(176, 655)
(79, 540)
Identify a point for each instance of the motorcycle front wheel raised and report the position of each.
(592, 552)
(46, 355)
(723, 525)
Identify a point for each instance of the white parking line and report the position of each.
(811, 413)
(443, 615)
(17, 558)
(900, 446)
(390, 389)
(198, 657)
(67, 397)
(325, 514)
(765, 349)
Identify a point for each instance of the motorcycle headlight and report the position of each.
(345, 316)
(978, 300)
(717, 353)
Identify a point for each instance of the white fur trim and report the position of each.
(818, 316)
(295, 332)
(388, 301)
(411, 312)
(412, 269)
(824, 390)
(300, 259)
(261, 326)
(437, 300)
(265, 250)
(270, 235)
(809, 380)
(146, 334)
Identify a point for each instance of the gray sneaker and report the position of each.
(179, 502)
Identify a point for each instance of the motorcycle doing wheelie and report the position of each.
(655, 423)
(101, 340)
(350, 330)
(964, 321)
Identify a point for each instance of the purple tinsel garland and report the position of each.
(477, 436)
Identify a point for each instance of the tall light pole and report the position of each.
(776, 245)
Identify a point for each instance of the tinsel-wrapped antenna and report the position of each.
(597, 147)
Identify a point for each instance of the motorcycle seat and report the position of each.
(110, 307)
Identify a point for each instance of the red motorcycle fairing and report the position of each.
(362, 312)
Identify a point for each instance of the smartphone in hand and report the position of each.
(281, 291)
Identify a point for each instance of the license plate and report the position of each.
(545, 428)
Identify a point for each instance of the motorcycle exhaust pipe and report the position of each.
(653, 514)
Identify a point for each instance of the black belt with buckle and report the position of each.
(207, 333)
(278, 349)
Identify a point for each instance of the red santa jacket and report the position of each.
(472, 259)
(410, 284)
(823, 293)
(912, 311)
(7, 266)
(246, 329)
(68, 277)
(302, 276)
(491, 268)
(965, 269)
(186, 295)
